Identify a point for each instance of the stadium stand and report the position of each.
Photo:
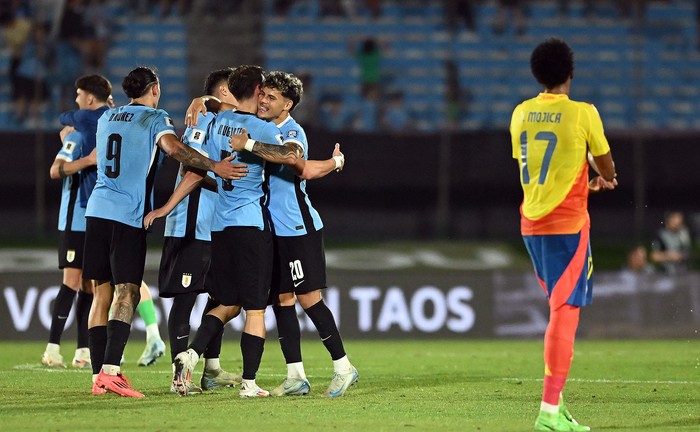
(641, 75)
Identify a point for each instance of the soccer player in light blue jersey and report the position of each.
(94, 97)
(299, 272)
(241, 236)
(187, 249)
(129, 143)
(71, 227)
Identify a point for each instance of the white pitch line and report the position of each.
(609, 381)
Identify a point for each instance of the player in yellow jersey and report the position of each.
(554, 140)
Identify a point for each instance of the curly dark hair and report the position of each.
(288, 85)
(552, 62)
(243, 81)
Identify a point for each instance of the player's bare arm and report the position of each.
(204, 104)
(314, 169)
(186, 155)
(605, 167)
(189, 182)
(286, 154)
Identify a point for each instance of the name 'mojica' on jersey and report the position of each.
(543, 117)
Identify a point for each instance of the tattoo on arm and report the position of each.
(192, 158)
(289, 152)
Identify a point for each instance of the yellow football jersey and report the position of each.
(551, 135)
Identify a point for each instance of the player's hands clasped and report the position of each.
(598, 184)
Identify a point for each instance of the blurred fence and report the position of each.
(407, 186)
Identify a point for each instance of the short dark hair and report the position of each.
(243, 81)
(139, 81)
(552, 62)
(97, 85)
(288, 85)
(215, 78)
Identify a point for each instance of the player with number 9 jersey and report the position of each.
(127, 160)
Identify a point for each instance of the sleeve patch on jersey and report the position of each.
(169, 122)
(68, 146)
(292, 134)
(197, 136)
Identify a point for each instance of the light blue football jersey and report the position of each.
(127, 161)
(71, 216)
(241, 201)
(290, 208)
(192, 217)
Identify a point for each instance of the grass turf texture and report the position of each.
(467, 385)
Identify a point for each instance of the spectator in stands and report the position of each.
(369, 59)
(32, 73)
(672, 245)
(97, 33)
(457, 10)
(638, 261)
(516, 10)
(16, 30)
(71, 44)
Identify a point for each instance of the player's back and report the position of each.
(550, 136)
(127, 160)
(240, 201)
(290, 208)
(193, 215)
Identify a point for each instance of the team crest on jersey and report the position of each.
(197, 136)
(186, 279)
(292, 134)
(70, 255)
(169, 122)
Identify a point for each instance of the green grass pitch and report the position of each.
(417, 385)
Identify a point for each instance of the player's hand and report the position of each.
(152, 216)
(238, 141)
(598, 184)
(339, 158)
(197, 106)
(230, 171)
(110, 102)
(65, 131)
